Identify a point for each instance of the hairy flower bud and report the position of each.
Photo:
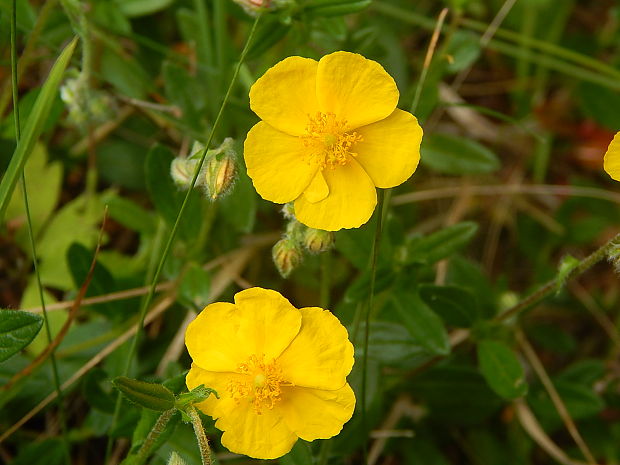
(317, 240)
(286, 256)
(182, 171)
(220, 169)
(175, 459)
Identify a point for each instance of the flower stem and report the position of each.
(384, 199)
(151, 438)
(199, 431)
(554, 285)
(149, 297)
(48, 333)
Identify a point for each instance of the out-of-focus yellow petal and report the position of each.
(611, 162)
(350, 203)
(286, 94)
(213, 406)
(321, 355)
(277, 163)
(262, 436)
(269, 323)
(212, 338)
(355, 89)
(390, 149)
(317, 190)
(315, 413)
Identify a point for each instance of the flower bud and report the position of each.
(220, 169)
(175, 459)
(288, 211)
(286, 256)
(317, 240)
(182, 171)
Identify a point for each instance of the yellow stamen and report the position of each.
(261, 384)
(328, 140)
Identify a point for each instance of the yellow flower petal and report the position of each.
(262, 436)
(213, 406)
(317, 190)
(224, 335)
(611, 162)
(350, 203)
(355, 89)
(321, 355)
(315, 413)
(212, 341)
(270, 322)
(286, 94)
(390, 149)
(277, 163)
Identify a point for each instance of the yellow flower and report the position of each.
(280, 372)
(611, 162)
(330, 133)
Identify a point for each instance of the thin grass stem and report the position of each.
(48, 333)
(172, 235)
(373, 275)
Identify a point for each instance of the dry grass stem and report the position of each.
(532, 427)
(538, 367)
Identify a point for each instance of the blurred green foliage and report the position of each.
(532, 102)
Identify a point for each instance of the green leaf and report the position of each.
(148, 395)
(422, 323)
(195, 286)
(130, 214)
(600, 104)
(336, 7)
(238, 208)
(34, 126)
(135, 8)
(17, 330)
(464, 49)
(79, 259)
(457, 306)
(455, 155)
(441, 244)
(501, 369)
(271, 31)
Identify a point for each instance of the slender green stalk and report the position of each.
(201, 437)
(151, 438)
(149, 297)
(48, 333)
(383, 204)
(610, 250)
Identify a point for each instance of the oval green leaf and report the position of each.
(455, 305)
(148, 395)
(17, 330)
(423, 324)
(455, 155)
(501, 369)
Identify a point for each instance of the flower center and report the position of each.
(328, 141)
(261, 384)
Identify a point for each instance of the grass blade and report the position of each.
(34, 126)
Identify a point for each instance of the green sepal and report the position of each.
(196, 395)
(153, 396)
(567, 265)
